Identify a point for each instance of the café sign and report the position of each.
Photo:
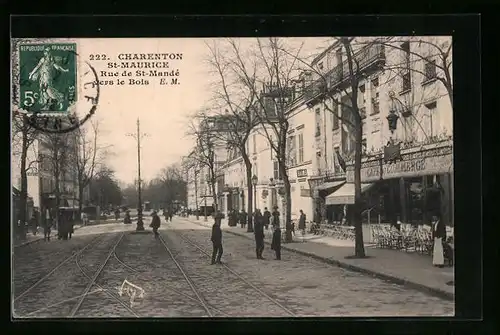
(420, 163)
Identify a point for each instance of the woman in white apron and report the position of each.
(439, 234)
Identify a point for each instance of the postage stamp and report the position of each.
(48, 77)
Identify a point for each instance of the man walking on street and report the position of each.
(216, 239)
(276, 243)
(267, 217)
(302, 223)
(47, 225)
(155, 223)
(259, 233)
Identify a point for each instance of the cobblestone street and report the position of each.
(242, 287)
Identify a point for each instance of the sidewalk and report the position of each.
(410, 269)
(30, 238)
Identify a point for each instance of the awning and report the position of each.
(326, 186)
(345, 194)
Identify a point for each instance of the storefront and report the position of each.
(413, 188)
(321, 188)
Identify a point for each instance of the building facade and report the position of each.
(407, 164)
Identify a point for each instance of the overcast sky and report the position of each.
(163, 109)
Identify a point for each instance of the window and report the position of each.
(335, 115)
(406, 73)
(336, 165)
(363, 146)
(375, 97)
(430, 70)
(431, 107)
(318, 122)
(254, 138)
(362, 101)
(405, 47)
(276, 174)
(406, 81)
(301, 148)
(291, 153)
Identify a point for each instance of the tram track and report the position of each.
(238, 276)
(92, 282)
(54, 269)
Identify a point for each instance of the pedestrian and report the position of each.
(276, 217)
(243, 218)
(216, 239)
(71, 226)
(259, 233)
(302, 222)
(127, 219)
(47, 225)
(170, 215)
(155, 223)
(117, 214)
(34, 223)
(267, 217)
(439, 234)
(276, 242)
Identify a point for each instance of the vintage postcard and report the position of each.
(232, 177)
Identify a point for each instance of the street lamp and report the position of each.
(255, 180)
(138, 136)
(404, 110)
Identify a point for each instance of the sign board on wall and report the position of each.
(301, 173)
(420, 163)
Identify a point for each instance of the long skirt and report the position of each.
(438, 254)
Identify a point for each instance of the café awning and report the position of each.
(328, 185)
(345, 194)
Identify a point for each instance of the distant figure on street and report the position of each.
(276, 243)
(47, 225)
(439, 234)
(258, 229)
(302, 222)
(155, 223)
(84, 218)
(71, 225)
(117, 214)
(216, 239)
(34, 223)
(267, 218)
(127, 219)
(243, 218)
(170, 214)
(276, 217)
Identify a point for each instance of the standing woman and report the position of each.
(439, 234)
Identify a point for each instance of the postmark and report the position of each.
(57, 90)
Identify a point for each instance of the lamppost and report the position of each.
(404, 110)
(255, 179)
(138, 136)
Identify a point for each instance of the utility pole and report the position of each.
(138, 136)
(196, 193)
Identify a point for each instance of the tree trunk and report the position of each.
(23, 200)
(196, 195)
(80, 200)
(251, 200)
(288, 208)
(359, 248)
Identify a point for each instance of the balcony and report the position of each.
(315, 91)
(370, 58)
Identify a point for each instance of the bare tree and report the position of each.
(23, 135)
(58, 157)
(88, 157)
(235, 98)
(204, 153)
(192, 170)
(273, 88)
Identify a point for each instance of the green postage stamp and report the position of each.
(47, 76)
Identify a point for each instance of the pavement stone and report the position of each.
(409, 269)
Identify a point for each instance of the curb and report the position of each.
(399, 281)
(37, 240)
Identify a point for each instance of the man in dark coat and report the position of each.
(216, 239)
(302, 222)
(47, 225)
(276, 243)
(155, 223)
(259, 233)
(243, 218)
(267, 218)
(276, 217)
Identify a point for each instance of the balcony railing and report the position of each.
(369, 57)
